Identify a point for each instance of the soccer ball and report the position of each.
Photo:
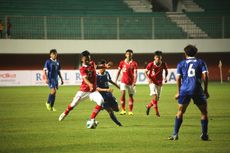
(91, 124)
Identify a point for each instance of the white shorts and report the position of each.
(93, 96)
(155, 90)
(131, 89)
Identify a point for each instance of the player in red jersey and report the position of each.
(87, 88)
(128, 80)
(153, 72)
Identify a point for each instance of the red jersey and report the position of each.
(127, 71)
(155, 72)
(88, 71)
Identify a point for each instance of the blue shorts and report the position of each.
(53, 84)
(109, 100)
(197, 99)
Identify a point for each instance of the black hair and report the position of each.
(129, 50)
(158, 53)
(102, 62)
(85, 53)
(53, 51)
(190, 50)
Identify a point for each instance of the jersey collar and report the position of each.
(156, 64)
(53, 60)
(190, 57)
(128, 62)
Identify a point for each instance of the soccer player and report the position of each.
(190, 73)
(153, 72)
(87, 88)
(128, 80)
(51, 71)
(103, 80)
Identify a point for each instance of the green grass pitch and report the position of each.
(27, 127)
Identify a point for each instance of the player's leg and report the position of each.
(154, 100)
(80, 95)
(96, 97)
(122, 99)
(112, 116)
(157, 98)
(131, 91)
(114, 105)
(131, 101)
(111, 102)
(51, 97)
(201, 103)
(182, 106)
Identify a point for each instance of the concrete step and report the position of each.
(187, 25)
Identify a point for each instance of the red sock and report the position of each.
(123, 103)
(68, 109)
(131, 104)
(151, 103)
(96, 110)
(154, 102)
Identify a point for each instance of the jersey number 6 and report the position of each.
(191, 71)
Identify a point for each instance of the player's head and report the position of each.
(85, 57)
(129, 54)
(102, 63)
(53, 54)
(158, 56)
(190, 50)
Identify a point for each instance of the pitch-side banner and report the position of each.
(70, 77)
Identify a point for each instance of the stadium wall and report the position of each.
(31, 55)
(111, 46)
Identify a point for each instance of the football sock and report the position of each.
(178, 122)
(204, 126)
(131, 104)
(154, 102)
(68, 109)
(53, 100)
(113, 117)
(49, 98)
(123, 103)
(96, 110)
(151, 103)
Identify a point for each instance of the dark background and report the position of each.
(72, 61)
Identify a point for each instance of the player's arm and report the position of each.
(178, 83)
(44, 75)
(147, 76)
(45, 72)
(59, 73)
(104, 89)
(115, 84)
(166, 74)
(205, 80)
(135, 77)
(118, 73)
(85, 78)
(104, 66)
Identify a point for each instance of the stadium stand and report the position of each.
(59, 19)
(62, 7)
(110, 19)
(214, 6)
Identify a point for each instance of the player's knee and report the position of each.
(100, 101)
(53, 91)
(180, 114)
(204, 115)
